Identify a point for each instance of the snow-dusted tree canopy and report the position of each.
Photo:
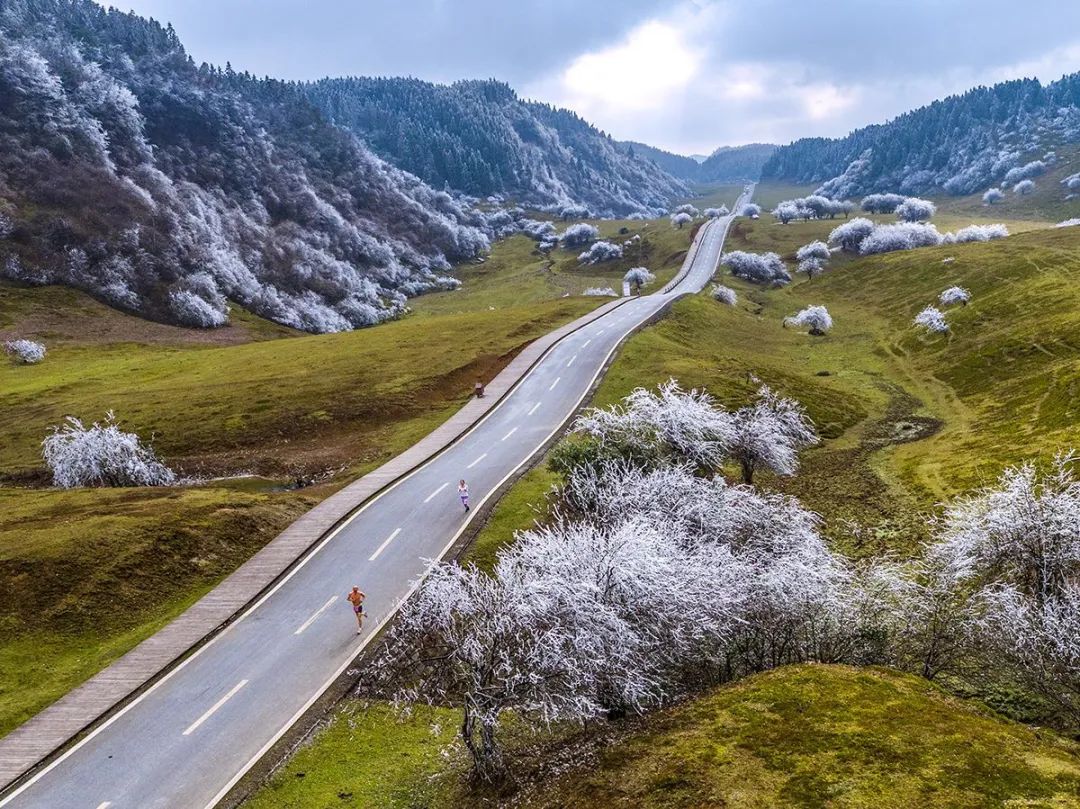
(980, 233)
(572, 210)
(599, 252)
(992, 195)
(814, 206)
(716, 213)
(101, 455)
(580, 234)
(914, 209)
(850, 235)
(901, 236)
(816, 318)
(638, 277)
(28, 352)
(882, 203)
(687, 209)
(1068, 223)
(815, 249)
(770, 433)
(601, 292)
(954, 295)
(724, 294)
(1024, 172)
(680, 219)
(760, 268)
(750, 209)
(1024, 187)
(932, 320)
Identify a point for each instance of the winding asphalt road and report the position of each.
(187, 740)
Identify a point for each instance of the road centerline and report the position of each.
(315, 616)
(556, 382)
(474, 463)
(214, 708)
(382, 547)
(571, 361)
(535, 407)
(431, 496)
(514, 430)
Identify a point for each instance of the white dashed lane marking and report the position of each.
(213, 709)
(382, 547)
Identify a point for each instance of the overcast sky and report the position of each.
(686, 76)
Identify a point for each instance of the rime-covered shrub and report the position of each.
(850, 235)
(573, 210)
(815, 249)
(770, 433)
(954, 295)
(715, 213)
(638, 277)
(992, 195)
(27, 352)
(816, 318)
(1068, 223)
(914, 209)
(580, 234)
(538, 230)
(680, 219)
(601, 292)
(1072, 182)
(750, 209)
(724, 294)
(1025, 172)
(1024, 187)
(759, 268)
(901, 236)
(980, 233)
(882, 203)
(932, 320)
(101, 455)
(599, 252)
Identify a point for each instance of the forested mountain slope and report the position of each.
(169, 189)
(728, 164)
(960, 144)
(480, 138)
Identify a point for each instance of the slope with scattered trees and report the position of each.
(728, 164)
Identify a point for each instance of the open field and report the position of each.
(798, 736)
(87, 574)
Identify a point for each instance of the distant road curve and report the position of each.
(190, 737)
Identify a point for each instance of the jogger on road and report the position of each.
(463, 493)
(356, 598)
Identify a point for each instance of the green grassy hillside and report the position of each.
(804, 736)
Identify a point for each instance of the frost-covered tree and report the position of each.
(850, 235)
(1024, 187)
(680, 219)
(1025, 172)
(27, 352)
(601, 292)
(670, 425)
(787, 211)
(992, 195)
(715, 213)
(882, 203)
(638, 277)
(724, 294)
(750, 209)
(811, 267)
(816, 318)
(580, 234)
(101, 455)
(600, 251)
(760, 268)
(980, 233)
(573, 210)
(914, 209)
(901, 236)
(932, 320)
(1068, 223)
(687, 209)
(540, 231)
(769, 434)
(815, 249)
(954, 295)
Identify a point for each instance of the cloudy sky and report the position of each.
(687, 76)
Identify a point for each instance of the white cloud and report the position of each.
(638, 75)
